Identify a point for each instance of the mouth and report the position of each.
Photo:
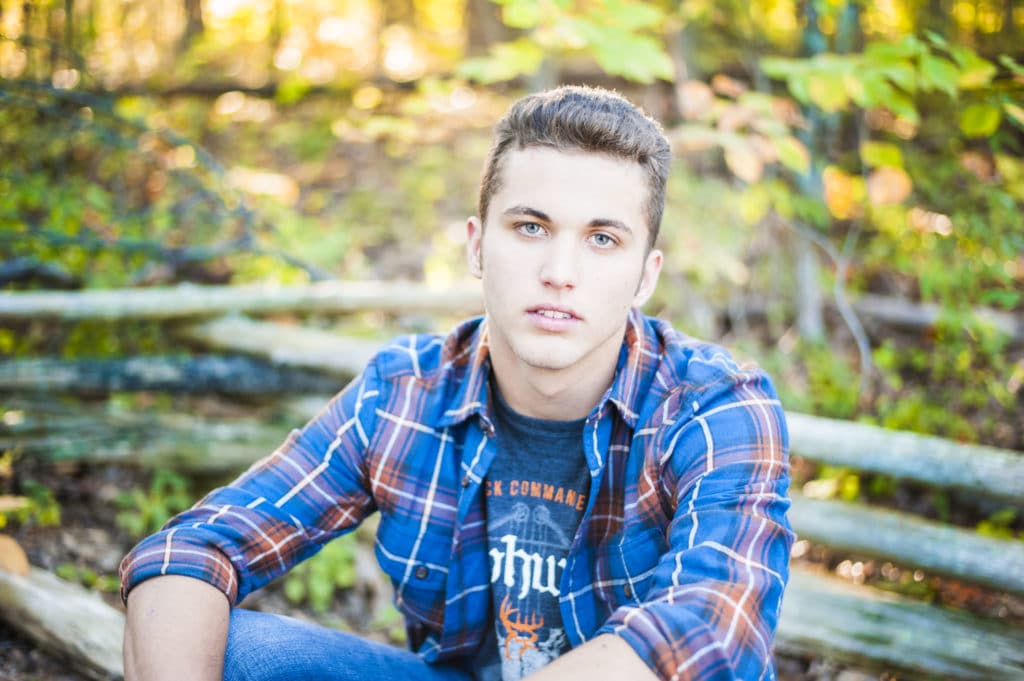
(555, 312)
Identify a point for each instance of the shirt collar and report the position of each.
(468, 349)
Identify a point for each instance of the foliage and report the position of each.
(316, 580)
(88, 577)
(621, 36)
(35, 506)
(143, 512)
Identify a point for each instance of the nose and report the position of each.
(560, 267)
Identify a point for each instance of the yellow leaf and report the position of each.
(793, 154)
(844, 193)
(744, 162)
(730, 87)
(12, 556)
(695, 99)
(828, 92)
(888, 185)
(733, 117)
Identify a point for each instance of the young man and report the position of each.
(563, 479)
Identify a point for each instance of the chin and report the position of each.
(547, 358)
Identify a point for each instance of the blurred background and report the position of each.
(844, 209)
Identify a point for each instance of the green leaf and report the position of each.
(1015, 112)
(938, 73)
(793, 154)
(782, 68)
(1010, 63)
(634, 57)
(295, 589)
(980, 120)
(630, 16)
(902, 75)
(876, 154)
(936, 39)
(521, 13)
(506, 61)
(906, 49)
(827, 92)
(291, 90)
(870, 91)
(903, 106)
(975, 72)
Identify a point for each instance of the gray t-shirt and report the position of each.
(536, 491)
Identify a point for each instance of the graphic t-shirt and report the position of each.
(536, 491)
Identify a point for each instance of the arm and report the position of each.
(280, 512)
(176, 628)
(721, 470)
(605, 658)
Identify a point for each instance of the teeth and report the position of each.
(554, 314)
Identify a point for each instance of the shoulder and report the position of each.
(425, 356)
(691, 376)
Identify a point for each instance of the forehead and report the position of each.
(572, 186)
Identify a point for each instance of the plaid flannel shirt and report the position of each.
(682, 550)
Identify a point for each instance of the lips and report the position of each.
(554, 312)
(553, 318)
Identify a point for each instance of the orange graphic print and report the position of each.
(517, 630)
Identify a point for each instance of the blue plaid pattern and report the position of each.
(683, 547)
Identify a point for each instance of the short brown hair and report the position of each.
(583, 119)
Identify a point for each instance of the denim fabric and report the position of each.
(266, 647)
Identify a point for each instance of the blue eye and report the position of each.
(530, 228)
(603, 240)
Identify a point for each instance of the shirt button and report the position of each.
(465, 480)
(422, 572)
(628, 590)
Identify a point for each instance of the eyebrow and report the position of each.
(541, 215)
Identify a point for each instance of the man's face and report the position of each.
(563, 258)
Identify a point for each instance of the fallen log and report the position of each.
(908, 540)
(871, 628)
(900, 312)
(180, 442)
(225, 375)
(852, 624)
(186, 300)
(285, 344)
(190, 444)
(986, 471)
(66, 620)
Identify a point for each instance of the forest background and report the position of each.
(845, 206)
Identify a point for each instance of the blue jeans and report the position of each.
(266, 647)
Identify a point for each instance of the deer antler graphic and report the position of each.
(518, 630)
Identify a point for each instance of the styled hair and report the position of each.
(576, 118)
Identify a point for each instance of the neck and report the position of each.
(554, 394)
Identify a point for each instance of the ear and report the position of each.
(649, 277)
(474, 242)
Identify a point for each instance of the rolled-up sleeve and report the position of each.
(714, 600)
(281, 511)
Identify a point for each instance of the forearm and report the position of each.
(176, 629)
(605, 658)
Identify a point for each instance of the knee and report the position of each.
(247, 656)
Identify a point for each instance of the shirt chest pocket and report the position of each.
(631, 566)
(417, 562)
